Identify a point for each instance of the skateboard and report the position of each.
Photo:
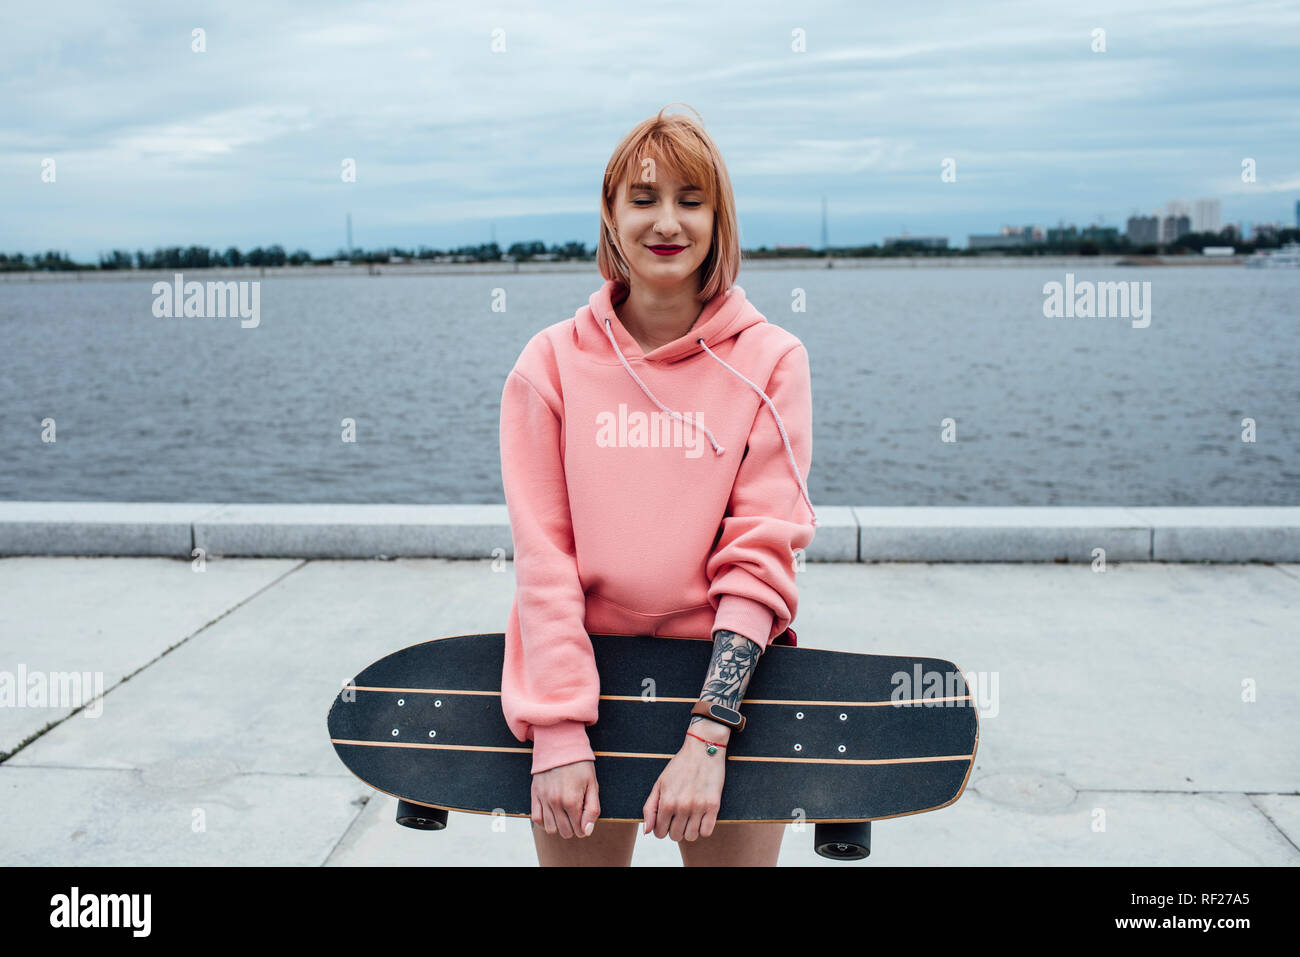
(834, 738)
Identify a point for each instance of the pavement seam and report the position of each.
(361, 809)
(1284, 571)
(37, 735)
(1285, 836)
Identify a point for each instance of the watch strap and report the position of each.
(720, 713)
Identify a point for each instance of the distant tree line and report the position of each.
(201, 257)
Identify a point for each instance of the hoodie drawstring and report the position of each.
(794, 467)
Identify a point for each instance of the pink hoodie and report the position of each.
(648, 494)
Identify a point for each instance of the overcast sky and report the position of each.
(155, 144)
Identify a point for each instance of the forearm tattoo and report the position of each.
(730, 668)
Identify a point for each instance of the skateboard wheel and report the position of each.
(842, 841)
(420, 817)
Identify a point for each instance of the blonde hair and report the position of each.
(679, 145)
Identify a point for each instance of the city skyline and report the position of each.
(1207, 210)
(1166, 224)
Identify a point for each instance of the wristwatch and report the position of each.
(720, 713)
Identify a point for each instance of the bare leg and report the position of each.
(610, 845)
(735, 844)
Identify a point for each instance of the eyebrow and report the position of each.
(655, 189)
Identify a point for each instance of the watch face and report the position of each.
(724, 713)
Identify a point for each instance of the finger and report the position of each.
(573, 810)
(535, 812)
(663, 820)
(710, 819)
(548, 818)
(692, 830)
(591, 811)
(563, 821)
(650, 811)
(678, 825)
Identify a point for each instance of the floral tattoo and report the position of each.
(730, 668)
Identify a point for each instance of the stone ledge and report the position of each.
(1001, 534)
(845, 533)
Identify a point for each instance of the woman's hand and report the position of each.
(685, 799)
(565, 799)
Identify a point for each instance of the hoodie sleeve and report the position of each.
(550, 688)
(751, 571)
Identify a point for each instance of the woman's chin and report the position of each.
(664, 273)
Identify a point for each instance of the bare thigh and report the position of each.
(735, 844)
(610, 844)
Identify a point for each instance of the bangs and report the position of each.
(664, 156)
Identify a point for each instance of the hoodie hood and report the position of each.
(601, 334)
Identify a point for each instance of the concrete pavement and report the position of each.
(1141, 714)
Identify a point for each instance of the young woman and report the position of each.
(653, 489)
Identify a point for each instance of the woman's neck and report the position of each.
(655, 317)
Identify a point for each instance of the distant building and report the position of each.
(1100, 234)
(1218, 251)
(1031, 234)
(993, 241)
(917, 242)
(1173, 227)
(1143, 230)
(1009, 236)
(1207, 216)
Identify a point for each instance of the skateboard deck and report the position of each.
(831, 737)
